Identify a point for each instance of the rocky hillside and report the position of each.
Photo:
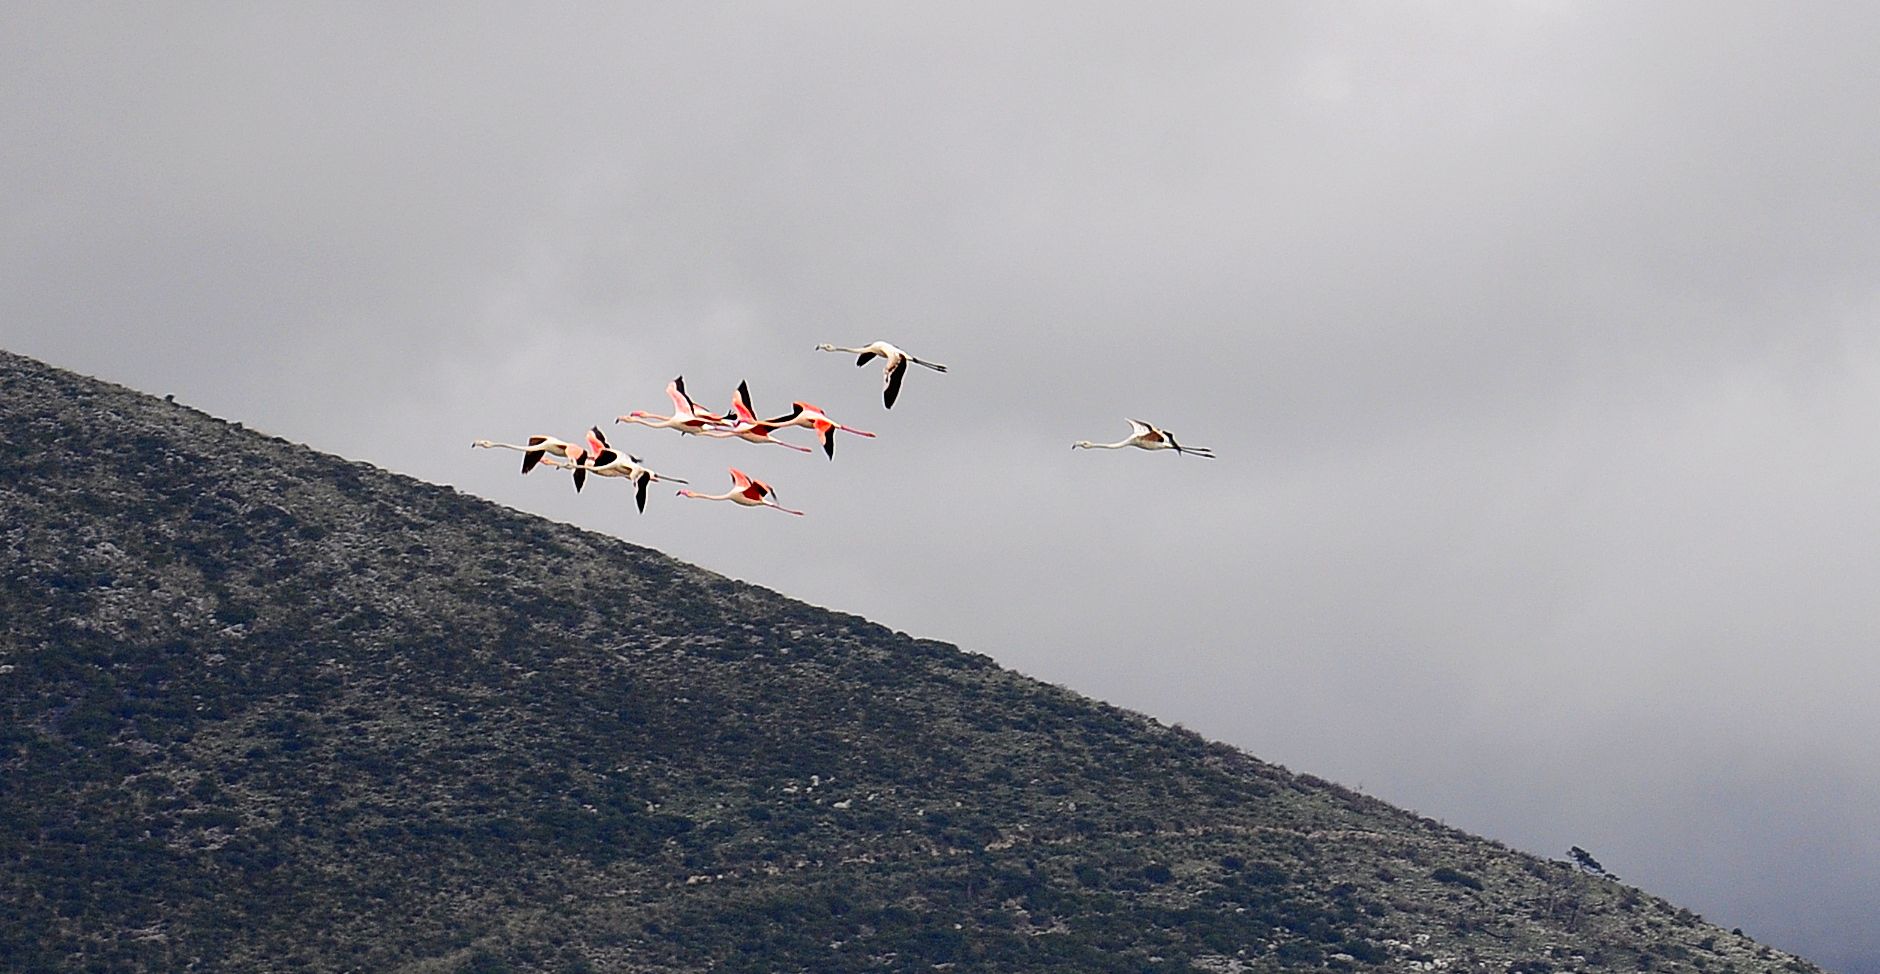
(262, 708)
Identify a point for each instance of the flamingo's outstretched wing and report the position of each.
(796, 409)
(741, 403)
(533, 456)
(1138, 428)
(892, 377)
(681, 403)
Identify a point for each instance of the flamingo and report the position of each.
(897, 365)
(1146, 437)
(804, 414)
(686, 416)
(607, 463)
(745, 491)
(747, 427)
(547, 448)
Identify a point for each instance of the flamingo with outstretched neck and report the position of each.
(548, 449)
(746, 491)
(812, 417)
(686, 416)
(747, 427)
(1145, 437)
(892, 372)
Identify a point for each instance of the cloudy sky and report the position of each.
(1540, 342)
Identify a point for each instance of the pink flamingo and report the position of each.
(686, 416)
(746, 491)
(804, 414)
(747, 426)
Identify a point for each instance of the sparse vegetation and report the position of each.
(1455, 877)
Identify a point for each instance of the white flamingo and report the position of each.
(686, 416)
(1145, 437)
(610, 464)
(896, 365)
(745, 491)
(548, 449)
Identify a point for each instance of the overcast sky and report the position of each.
(1540, 343)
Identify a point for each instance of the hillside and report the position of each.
(262, 708)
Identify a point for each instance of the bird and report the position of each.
(804, 414)
(548, 449)
(610, 464)
(1146, 437)
(746, 491)
(746, 426)
(896, 365)
(686, 416)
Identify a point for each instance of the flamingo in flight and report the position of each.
(746, 426)
(746, 491)
(686, 416)
(1145, 437)
(607, 463)
(548, 449)
(896, 365)
(801, 414)
(804, 414)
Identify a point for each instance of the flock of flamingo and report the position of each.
(592, 455)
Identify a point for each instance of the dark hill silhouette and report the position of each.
(262, 708)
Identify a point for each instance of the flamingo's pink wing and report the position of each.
(681, 403)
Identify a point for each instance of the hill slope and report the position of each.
(263, 708)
